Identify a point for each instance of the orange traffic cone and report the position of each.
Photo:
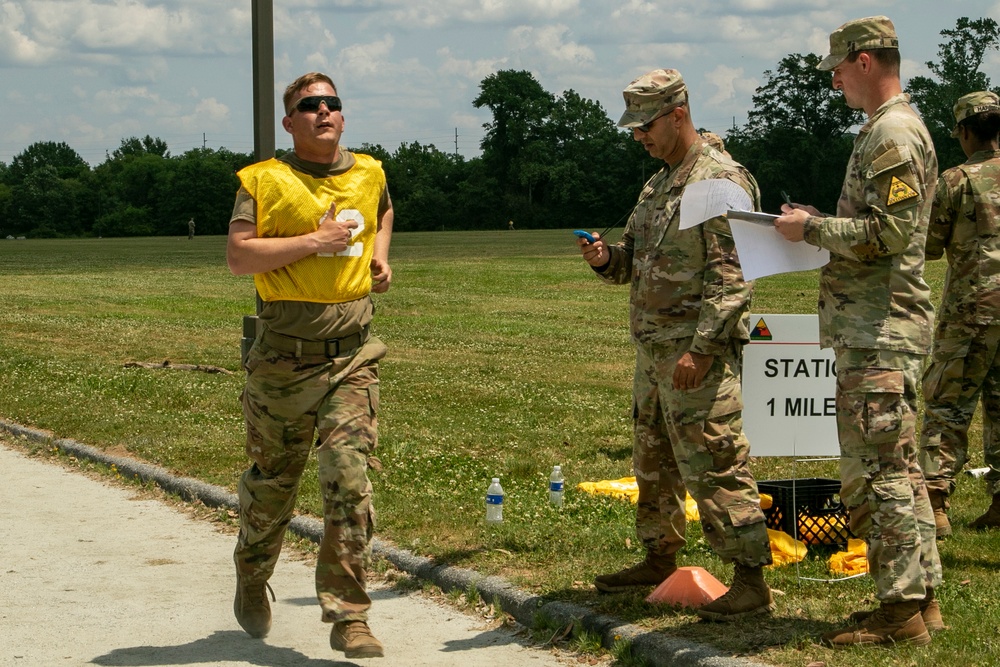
(688, 587)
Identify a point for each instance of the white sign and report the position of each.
(789, 388)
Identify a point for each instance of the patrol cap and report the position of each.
(874, 32)
(973, 103)
(652, 95)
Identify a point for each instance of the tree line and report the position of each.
(547, 161)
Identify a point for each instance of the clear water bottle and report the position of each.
(556, 486)
(494, 502)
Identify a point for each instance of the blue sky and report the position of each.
(91, 72)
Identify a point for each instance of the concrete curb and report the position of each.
(658, 649)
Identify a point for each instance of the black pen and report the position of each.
(788, 200)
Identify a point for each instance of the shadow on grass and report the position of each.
(986, 559)
(616, 453)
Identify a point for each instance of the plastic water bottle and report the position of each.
(556, 486)
(494, 502)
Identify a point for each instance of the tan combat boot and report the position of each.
(940, 505)
(991, 519)
(650, 572)
(355, 639)
(891, 623)
(748, 595)
(251, 607)
(930, 612)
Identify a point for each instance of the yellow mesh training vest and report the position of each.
(290, 203)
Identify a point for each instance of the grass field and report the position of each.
(506, 357)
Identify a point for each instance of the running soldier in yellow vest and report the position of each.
(875, 312)
(313, 227)
(965, 362)
(689, 316)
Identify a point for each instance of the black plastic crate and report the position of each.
(814, 503)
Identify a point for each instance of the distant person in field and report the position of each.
(510, 225)
(965, 361)
(190, 229)
(689, 321)
(313, 227)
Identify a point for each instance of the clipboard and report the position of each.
(765, 219)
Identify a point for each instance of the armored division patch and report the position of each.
(899, 191)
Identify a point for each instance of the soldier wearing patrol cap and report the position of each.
(965, 363)
(875, 311)
(689, 312)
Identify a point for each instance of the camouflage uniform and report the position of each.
(286, 402)
(312, 382)
(715, 141)
(688, 294)
(965, 364)
(875, 311)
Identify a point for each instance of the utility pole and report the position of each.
(263, 79)
(456, 141)
(262, 29)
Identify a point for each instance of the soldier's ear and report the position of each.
(865, 60)
(678, 114)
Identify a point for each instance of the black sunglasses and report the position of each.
(312, 103)
(645, 127)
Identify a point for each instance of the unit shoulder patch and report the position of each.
(899, 191)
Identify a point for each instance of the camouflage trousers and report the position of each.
(964, 369)
(693, 440)
(882, 485)
(289, 403)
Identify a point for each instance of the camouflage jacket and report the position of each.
(965, 223)
(872, 293)
(685, 283)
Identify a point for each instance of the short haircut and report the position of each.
(984, 126)
(302, 82)
(888, 58)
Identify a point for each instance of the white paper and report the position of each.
(710, 198)
(765, 252)
(355, 249)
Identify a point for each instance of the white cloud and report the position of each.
(911, 68)
(550, 45)
(728, 82)
(16, 47)
(436, 13)
(483, 11)
(656, 55)
(634, 9)
(209, 114)
(50, 31)
(363, 60)
(138, 100)
(474, 70)
(212, 109)
(145, 70)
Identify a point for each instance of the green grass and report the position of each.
(506, 357)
